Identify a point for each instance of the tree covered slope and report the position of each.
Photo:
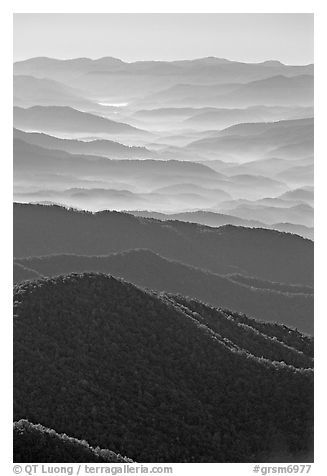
(44, 445)
(102, 360)
(268, 301)
(267, 254)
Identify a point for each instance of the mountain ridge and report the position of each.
(167, 331)
(263, 300)
(44, 445)
(223, 250)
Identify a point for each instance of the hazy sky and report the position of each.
(142, 36)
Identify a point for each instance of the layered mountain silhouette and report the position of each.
(163, 261)
(29, 91)
(219, 219)
(100, 359)
(248, 140)
(274, 90)
(271, 212)
(34, 158)
(111, 77)
(202, 217)
(67, 119)
(98, 183)
(41, 230)
(291, 305)
(95, 199)
(104, 148)
(222, 118)
(167, 111)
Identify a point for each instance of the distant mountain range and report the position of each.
(107, 148)
(251, 139)
(67, 119)
(49, 165)
(253, 120)
(163, 261)
(49, 172)
(277, 90)
(222, 118)
(113, 78)
(219, 219)
(29, 91)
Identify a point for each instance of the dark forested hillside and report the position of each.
(290, 347)
(267, 254)
(159, 377)
(271, 285)
(268, 301)
(37, 443)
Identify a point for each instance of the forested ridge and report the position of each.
(102, 360)
(266, 254)
(261, 299)
(271, 285)
(37, 443)
(247, 337)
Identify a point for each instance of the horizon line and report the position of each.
(162, 60)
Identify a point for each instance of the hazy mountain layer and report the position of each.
(273, 90)
(29, 91)
(110, 79)
(219, 219)
(105, 148)
(249, 120)
(67, 120)
(243, 142)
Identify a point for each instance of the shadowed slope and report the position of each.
(267, 254)
(291, 305)
(100, 359)
(35, 443)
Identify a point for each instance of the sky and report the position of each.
(247, 37)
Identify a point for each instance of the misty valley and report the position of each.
(163, 261)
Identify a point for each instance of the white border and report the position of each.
(168, 6)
